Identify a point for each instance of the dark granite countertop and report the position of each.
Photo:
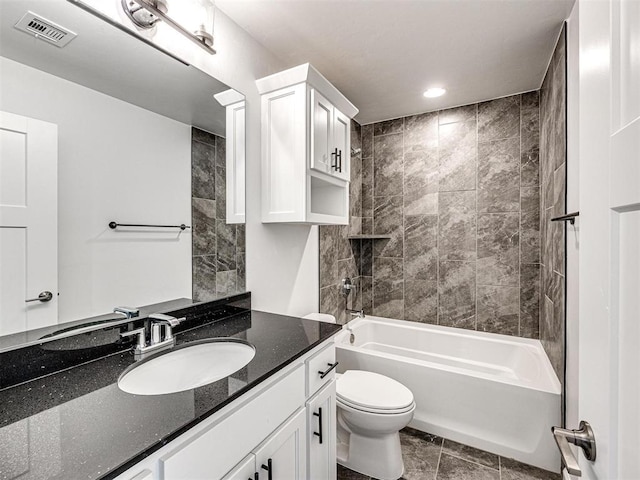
(77, 424)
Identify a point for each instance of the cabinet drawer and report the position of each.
(319, 369)
(213, 453)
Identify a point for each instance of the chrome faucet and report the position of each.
(158, 339)
(356, 313)
(128, 312)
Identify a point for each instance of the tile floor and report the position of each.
(428, 457)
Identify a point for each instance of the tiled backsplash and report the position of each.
(457, 191)
(218, 248)
(553, 147)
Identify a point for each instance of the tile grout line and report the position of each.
(439, 459)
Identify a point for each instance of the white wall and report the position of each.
(282, 260)
(116, 162)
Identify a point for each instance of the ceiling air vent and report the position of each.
(45, 29)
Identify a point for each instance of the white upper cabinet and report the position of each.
(234, 103)
(306, 148)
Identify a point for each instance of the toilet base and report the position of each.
(379, 457)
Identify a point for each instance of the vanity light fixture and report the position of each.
(146, 14)
(434, 92)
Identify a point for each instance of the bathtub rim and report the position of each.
(552, 386)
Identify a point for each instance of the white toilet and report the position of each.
(372, 409)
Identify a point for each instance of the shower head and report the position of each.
(355, 151)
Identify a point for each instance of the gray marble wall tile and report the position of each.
(221, 191)
(499, 118)
(457, 229)
(218, 249)
(499, 176)
(388, 126)
(558, 229)
(459, 114)
(530, 224)
(420, 247)
(366, 293)
(530, 160)
(347, 268)
(226, 245)
(425, 180)
(421, 182)
(203, 224)
(202, 136)
(226, 282)
(388, 287)
(420, 300)
(204, 278)
(388, 165)
(367, 226)
(355, 187)
(458, 156)
(421, 132)
(457, 294)
(388, 220)
(498, 309)
(530, 139)
(366, 258)
(202, 171)
(530, 301)
(330, 300)
(367, 187)
(356, 134)
(367, 141)
(498, 249)
(328, 255)
(241, 272)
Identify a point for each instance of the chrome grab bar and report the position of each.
(583, 438)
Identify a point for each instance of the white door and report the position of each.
(283, 455)
(28, 223)
(321, 434)
(609, 150)
(323, 155)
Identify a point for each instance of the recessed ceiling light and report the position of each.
(434, 92)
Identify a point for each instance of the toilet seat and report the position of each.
(373, 393)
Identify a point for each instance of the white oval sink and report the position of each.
(186, 367)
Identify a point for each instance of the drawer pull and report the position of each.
(269, 468)
(319, 415)
(255, 477)
(328, 370)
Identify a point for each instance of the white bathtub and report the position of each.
(493, 392)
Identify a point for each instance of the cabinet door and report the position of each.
(322, 148)
(283, 455)
(245, 470)
(321, 431)
(342, 141)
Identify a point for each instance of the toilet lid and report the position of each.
(369, 390)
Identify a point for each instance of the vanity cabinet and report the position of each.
(306, 148)
(282, 456)
(272, 424)
(321, 424)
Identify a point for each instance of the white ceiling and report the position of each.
(382, 54)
